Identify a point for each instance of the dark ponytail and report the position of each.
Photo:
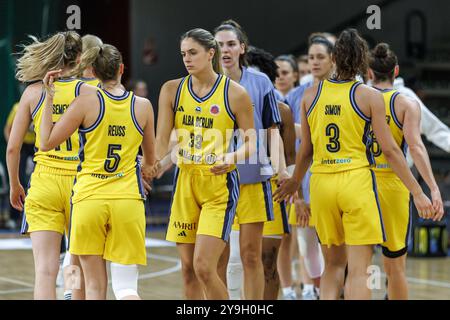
(383, 61)
(350, 54)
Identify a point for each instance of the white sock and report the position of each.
(68, 295)
(288, 290)
(308, 288)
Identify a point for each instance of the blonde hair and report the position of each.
(90, 41)
(57, 52)
(104, 59)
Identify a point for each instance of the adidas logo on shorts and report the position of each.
(182, 234)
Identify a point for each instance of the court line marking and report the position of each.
(144, 276)
(21, 283)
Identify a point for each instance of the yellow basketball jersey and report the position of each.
(91, 81)
(109, 167)
(205, 125)
(339, 130)
(396, 129)
(65, 156)
(30, 136)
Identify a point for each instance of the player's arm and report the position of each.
(298, 131)
(304, 156)
(271, 120)
(145, 117)
(288, 133)
(165, 121)
(241, 106)
(19, 128)
(276, 147)
(393, 153)
(411, 131)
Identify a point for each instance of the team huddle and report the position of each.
(324, 158)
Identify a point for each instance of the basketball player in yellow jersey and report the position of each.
(205, 107)
(108, 219)
(47, 203)
(90, 41)
(403, 118)
(336, 116)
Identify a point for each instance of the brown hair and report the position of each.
(207, 41)
(350, 54)
(383, 61)
(231, 25)
(57, 52)
(105, 60)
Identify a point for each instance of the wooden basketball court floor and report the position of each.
(428, 278)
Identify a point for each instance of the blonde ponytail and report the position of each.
(57, 52)
(87, 59)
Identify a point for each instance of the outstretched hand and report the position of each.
(286, 190)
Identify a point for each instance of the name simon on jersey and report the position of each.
(332, 110)
(116, 131)
(199, 122)
(60, 108)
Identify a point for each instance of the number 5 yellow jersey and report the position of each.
(109, 167)
(65, 156)
(340, 132)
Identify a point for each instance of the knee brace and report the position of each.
(66, 261)
(234, 268)
(124, 280)
(310, 250)
(235, 251)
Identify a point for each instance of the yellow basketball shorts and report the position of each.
(47, 204)
(202, 204)
(395, 202)
(345, 208)
(280, 223)
(255, 204)
(111, 228)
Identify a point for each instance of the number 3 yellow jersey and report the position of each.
(396, 129)
(204, 125)
(340, 132)
(109, 167)
(65, 156)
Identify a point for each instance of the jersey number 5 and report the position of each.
(332, 131)
(113, 158)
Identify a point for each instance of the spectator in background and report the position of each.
(26, 153)
(287, 75)
(139, 87)
(303, 66)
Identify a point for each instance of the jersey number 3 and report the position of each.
(113, 158)
(332, 131)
